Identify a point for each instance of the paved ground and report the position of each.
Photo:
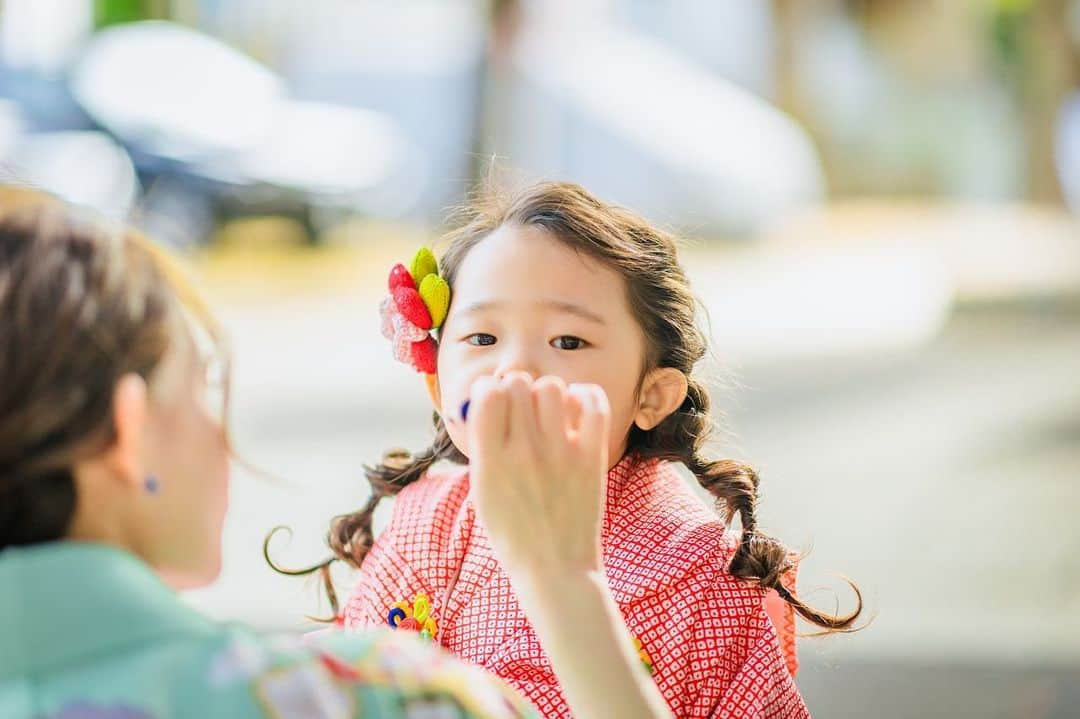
(941, 471)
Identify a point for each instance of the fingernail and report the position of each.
(465, 410)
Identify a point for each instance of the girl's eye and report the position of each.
(568, 342)
(480, 339)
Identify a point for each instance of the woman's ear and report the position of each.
(130, 409)
(662, 392)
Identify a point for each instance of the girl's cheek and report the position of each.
(458, 436)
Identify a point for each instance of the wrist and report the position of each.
(563, 591)
(553, 563)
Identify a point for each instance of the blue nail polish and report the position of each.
(465, 410)
(152, 485)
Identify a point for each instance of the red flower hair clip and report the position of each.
(417, 305)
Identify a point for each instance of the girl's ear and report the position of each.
(662, 392)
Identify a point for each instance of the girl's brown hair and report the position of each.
(661, 300)
(81, 305)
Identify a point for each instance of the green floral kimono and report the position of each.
(89, 632)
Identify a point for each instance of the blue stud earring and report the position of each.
(465, 410)
(152, 484)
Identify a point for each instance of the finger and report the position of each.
(549, 403)
(489, 410)
(573, 408)
(522, 423)
(594, 429)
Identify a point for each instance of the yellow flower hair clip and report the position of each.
(414, 617)
(643, 655)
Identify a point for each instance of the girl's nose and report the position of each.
(516, 359)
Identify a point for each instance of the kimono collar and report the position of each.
(657, 531)
(62, 602)
(631, 471)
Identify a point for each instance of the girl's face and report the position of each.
(524, 301)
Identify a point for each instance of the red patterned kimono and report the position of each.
(711, 638)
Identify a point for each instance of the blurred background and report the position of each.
(879, 200)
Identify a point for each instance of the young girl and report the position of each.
(553, 282)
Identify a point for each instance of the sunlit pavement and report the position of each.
(940, 470)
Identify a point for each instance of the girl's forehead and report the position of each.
(530, 261)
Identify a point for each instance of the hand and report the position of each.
(538, 466)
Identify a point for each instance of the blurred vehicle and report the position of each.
(1067, 153)
(215, 135)
(640, 122)
(85, 167)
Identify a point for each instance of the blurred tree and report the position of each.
(1033, 55)
(494, 83)
(1020, 45)
(115, 12)
(785, 82)
(791, 18)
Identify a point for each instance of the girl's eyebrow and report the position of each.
(570, 308)
(573, 309)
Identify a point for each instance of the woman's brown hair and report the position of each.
(81, 305)
(661, 300)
